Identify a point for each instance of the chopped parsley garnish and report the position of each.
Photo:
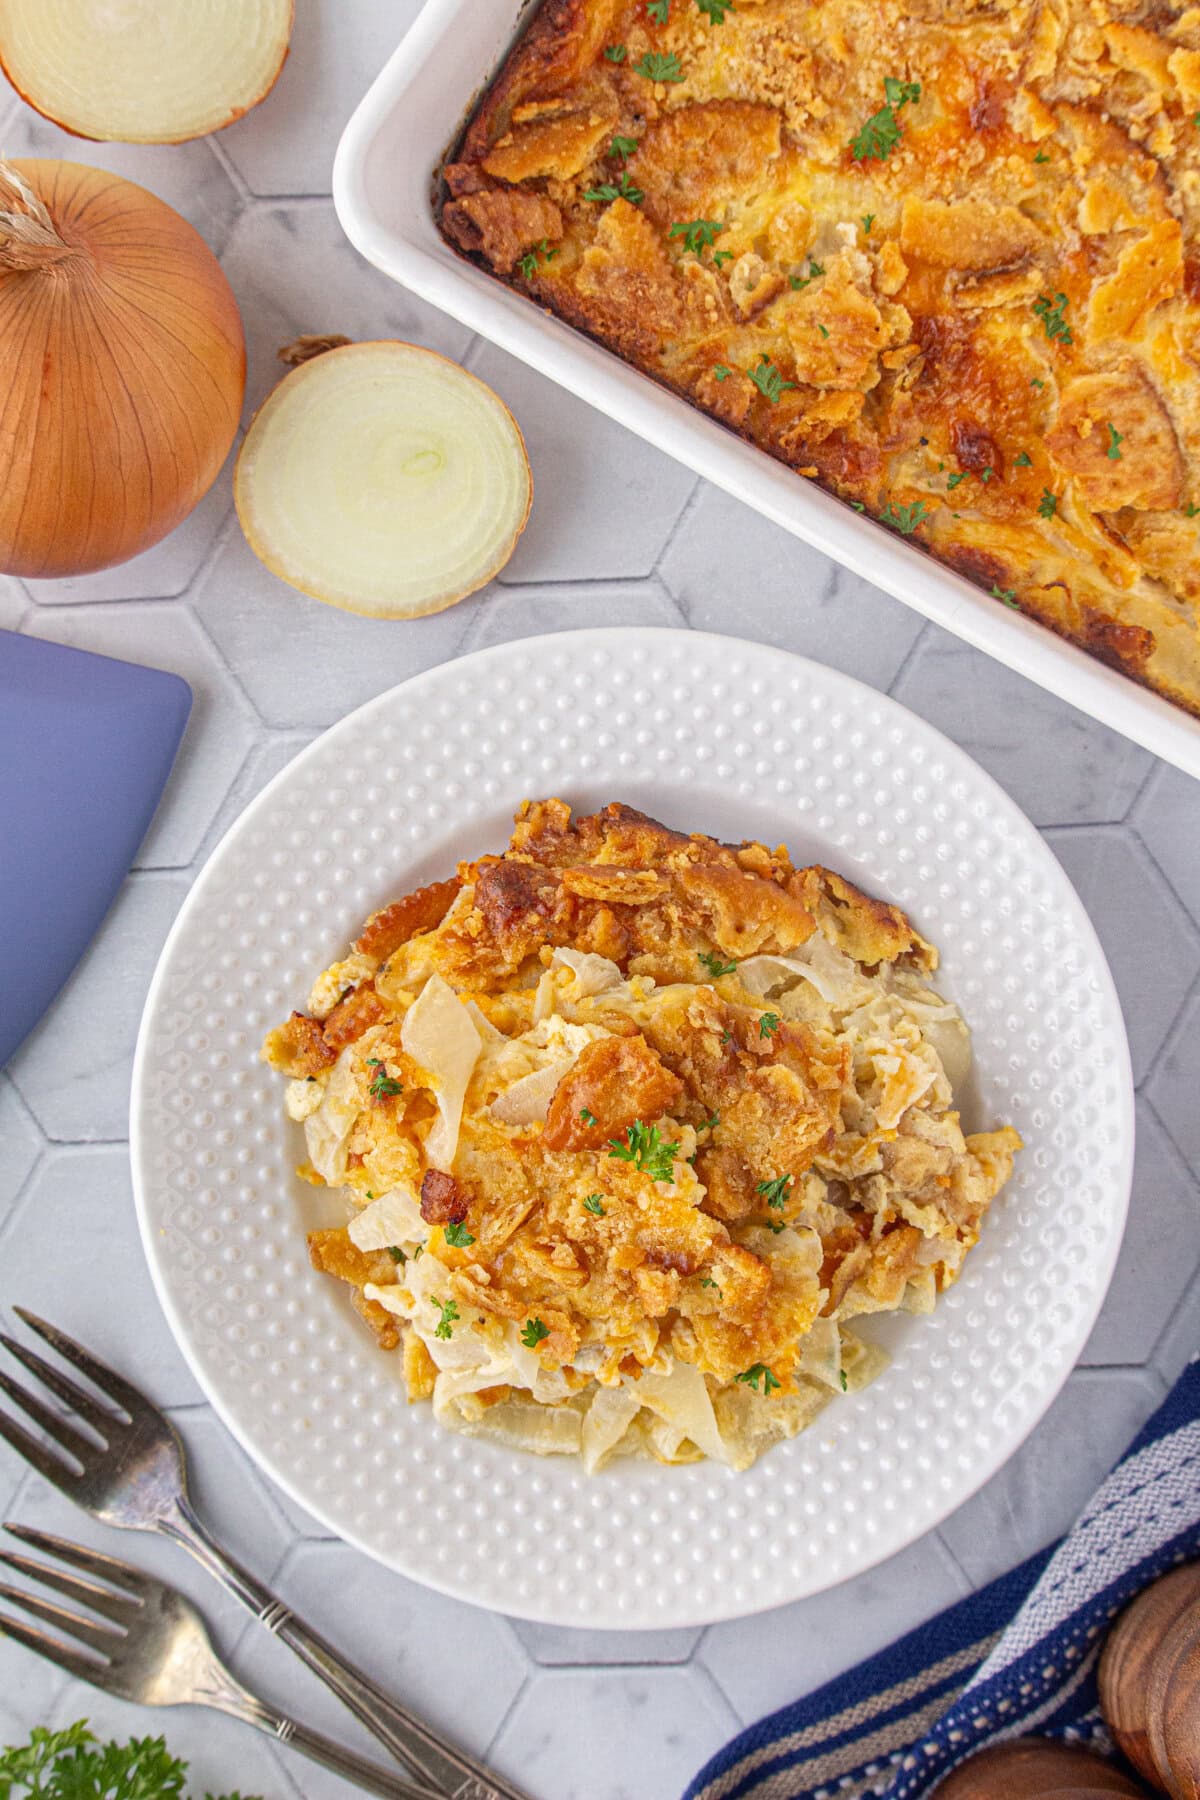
(722, 256)
(698, 234)
(1041, 157)
(623, 147)
(842, 1379)
(1008, 595)
(1024, 461)
(823, 329)
(985, 475)
(707, 1281)
(396, 1253)
(1190, 511)
(868, 219)
(803, 281)
(775, 1192)
(712, 962)
(760, 1378)
(768, 379)
(1036, 381)
(658, 10)
(711, 1123)
(449, 1312)
(529, 262)
(656, 67)
(768, 1025)
(1115, 440)
(904, 519)
(458, 1235)
(382, 1084)
(595, 1205)
(1053, 317)
(589, 1118)
(621, 190)
(1048, 504)
(647, 1150)
(722, 371)
(952, 481)
(727, 1037)
(858, 506)
(716, 9)
(882, 132)
(616, 53)
(533, 1333)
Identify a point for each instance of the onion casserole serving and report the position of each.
(632, 1125)
(942, 256)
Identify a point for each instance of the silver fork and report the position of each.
(150, 1645)
(127, 1469)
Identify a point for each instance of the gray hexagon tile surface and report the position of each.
(619, 535)
(725, 562)
(74, 1068)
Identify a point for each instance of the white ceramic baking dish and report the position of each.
(382, 184)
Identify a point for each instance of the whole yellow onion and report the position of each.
(124, 365)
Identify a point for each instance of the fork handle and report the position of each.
(355, 1769)
(452, 1772)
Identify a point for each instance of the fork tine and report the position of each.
(83, 1668)
(120, 1574)
(107, 1380)
(51, 1468)
(69, 1392)
(100, 1638)
(52, 1423)
(121, 1609)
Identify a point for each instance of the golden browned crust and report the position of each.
(385, 931)
(988, 338)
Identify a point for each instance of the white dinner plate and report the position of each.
(705, 733)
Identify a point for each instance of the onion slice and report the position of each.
(144, 71)
(384, 479)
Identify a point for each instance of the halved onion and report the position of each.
(384, 479)
(144, 71)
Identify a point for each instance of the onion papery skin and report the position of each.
(329, 479)
(144, 71)
(124, 371)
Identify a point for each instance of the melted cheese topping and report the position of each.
(992, 335)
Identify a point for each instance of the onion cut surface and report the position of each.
(383, 479)
(144, 71)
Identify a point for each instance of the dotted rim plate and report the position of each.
(707, 733)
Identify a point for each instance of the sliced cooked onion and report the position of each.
(384, 479)
(144, 71)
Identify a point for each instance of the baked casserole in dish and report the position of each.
(631, 1126)
(939, 256)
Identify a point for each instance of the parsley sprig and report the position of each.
(716, 9)
(768, 379)
(595, 1205)
(1052, 313)
(647, 1150)
(458, 1236)
(445, 1325)
(533, 1332)
(904, 519)
(760, 1378)
(768, 1024)
(528, 263)
(698, 235)
(658, 10)
(623, 147)
(616, 53)
(657, 67)
(882, 131)
(383, 1085)
(1048, 504)
(776, 1192)
(621, 190)
(74, 1765)
(1115, 440)
(715, 965)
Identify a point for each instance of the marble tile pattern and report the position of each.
(619, 535)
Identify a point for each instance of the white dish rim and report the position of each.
(209, 1385)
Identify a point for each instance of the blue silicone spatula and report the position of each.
(86, 745)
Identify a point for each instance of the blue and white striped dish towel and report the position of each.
(1018, 1657)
